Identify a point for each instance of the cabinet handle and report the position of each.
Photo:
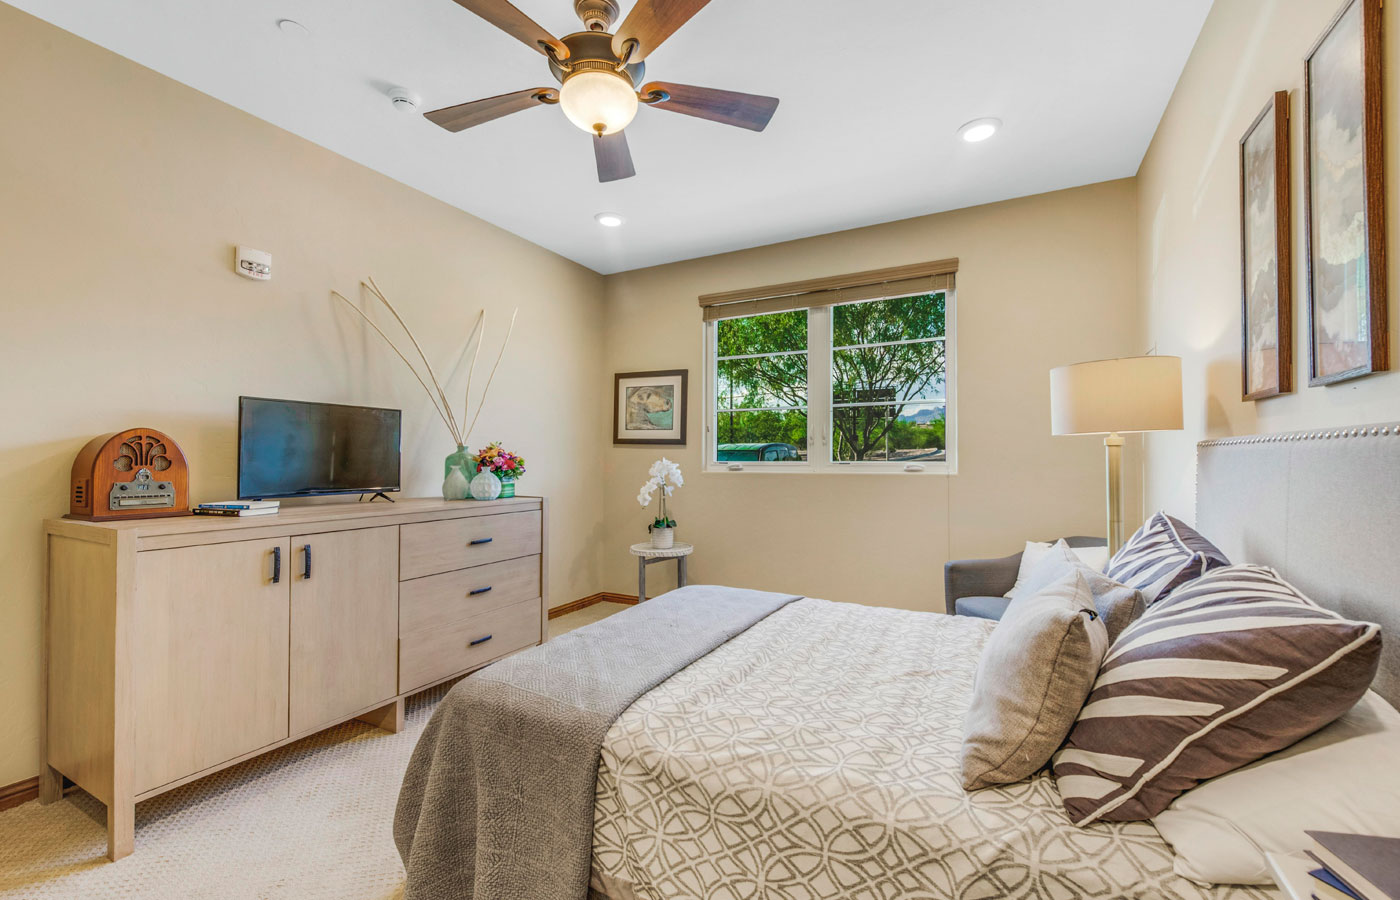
(478, 591)
(276, 565)
(480, 541)
(306, 567)
(480, 641)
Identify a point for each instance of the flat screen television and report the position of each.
(291, 448)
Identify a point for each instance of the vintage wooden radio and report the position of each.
(139, 473)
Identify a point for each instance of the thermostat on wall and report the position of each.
(254, 264)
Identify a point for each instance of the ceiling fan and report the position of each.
(600, 77)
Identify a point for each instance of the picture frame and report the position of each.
(650, 408)
(1344, 198)
(1266, 258)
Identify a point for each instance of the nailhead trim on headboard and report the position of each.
(1360, 431)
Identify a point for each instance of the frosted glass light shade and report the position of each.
(1140, 393)
(598, 101)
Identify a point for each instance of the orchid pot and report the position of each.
(665, 477)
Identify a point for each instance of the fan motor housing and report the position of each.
(597, 15)
(594, 49)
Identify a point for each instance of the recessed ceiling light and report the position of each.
(293, 28)
(609, 219)
(979, 130)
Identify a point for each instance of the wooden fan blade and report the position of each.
(516, 24)
(651, 22)
(467, 115)
(729, 107)
(614, 158)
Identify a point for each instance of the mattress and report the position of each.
(816, 757)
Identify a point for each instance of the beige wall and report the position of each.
(1044, 281)
(1189, 244)
(121, 195)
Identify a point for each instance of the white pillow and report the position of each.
(1341, 778)
(1095, 558)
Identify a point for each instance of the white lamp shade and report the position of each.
(1139, 393)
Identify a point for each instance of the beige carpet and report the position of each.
(312, 820)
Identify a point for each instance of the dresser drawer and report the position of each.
(428, 548)
(427, 656)
(427, 604)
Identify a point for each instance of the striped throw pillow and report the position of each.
(1162, 555)
(1229, 668)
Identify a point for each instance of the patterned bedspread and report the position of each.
(815, 757)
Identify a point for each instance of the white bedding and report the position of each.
(815, 757)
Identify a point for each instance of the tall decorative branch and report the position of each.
(451, 429)
(436, 395)
(456, 429)
(492, 377)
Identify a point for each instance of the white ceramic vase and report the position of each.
(485, 486)
(663, 538)
(456, 487)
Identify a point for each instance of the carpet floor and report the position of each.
(312, 821)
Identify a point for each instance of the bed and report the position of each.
(813, 753)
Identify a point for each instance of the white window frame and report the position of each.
(819, 405)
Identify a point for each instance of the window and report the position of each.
(859, 385)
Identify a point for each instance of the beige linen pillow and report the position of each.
(1032, 678)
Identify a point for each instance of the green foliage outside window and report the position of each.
(764, 398)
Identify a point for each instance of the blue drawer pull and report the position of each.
(478, 591)
(479, 641)
(481, 541)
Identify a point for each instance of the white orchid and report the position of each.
(665, 477)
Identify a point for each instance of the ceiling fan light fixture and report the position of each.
(979, 130)
(599, 101)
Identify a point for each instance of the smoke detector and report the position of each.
(403, 100)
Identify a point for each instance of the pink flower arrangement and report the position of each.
(499, 462)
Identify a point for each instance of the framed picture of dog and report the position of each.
(650, 407)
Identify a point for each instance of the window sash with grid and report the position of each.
(821, 350)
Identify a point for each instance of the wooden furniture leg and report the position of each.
(388, 717)
(681, 579)
(50, 785)
(641, 579)
(121, 829)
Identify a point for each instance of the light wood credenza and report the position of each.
(174, 648)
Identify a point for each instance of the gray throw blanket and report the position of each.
(497, 802)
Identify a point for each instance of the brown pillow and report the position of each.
(1118, 604)
(1032, 678)
(1227, 669)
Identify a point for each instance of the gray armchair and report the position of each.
(977, 587)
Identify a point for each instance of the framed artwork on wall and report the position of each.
(1344, 190)
(650, 407)
(1266, 254)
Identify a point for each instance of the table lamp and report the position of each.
(1114, 397)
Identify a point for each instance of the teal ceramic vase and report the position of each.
(462, 457)
(507, 486)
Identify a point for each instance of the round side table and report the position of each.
(647, 554)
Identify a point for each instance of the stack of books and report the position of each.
(1354, 866)
(238, 508)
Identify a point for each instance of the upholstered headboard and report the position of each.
(1321, 507)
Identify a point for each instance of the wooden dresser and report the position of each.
(176, 647)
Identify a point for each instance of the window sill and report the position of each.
(941, 468)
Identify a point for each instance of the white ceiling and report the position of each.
(872, 95)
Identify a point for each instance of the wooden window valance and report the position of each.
(921, 278)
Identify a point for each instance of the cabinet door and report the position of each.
(345, 619)
(208, 656)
